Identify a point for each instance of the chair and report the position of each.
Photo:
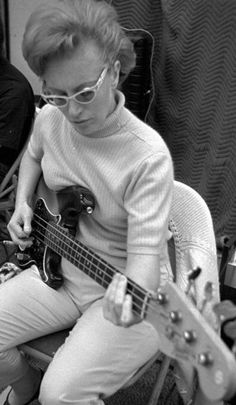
(193, 244)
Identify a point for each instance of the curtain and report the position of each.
(194, 93)
(4, 19)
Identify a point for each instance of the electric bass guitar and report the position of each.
(184, 333)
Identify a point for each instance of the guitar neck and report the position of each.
(60, 241)
(184, 333)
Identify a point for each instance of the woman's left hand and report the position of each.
(117, 304)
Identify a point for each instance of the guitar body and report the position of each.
(185, 335)
(62, 208)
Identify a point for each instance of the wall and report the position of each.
(19, 11)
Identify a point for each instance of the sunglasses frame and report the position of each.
(95, 88)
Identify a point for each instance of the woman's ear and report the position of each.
(115, 74)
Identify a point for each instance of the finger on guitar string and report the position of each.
(20, 228)
(118, 304)
(114, 298)
(127, 316)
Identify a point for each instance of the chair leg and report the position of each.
(160, 381)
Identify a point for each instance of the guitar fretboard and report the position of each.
(60, 241)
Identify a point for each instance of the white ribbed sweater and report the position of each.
(128, 168)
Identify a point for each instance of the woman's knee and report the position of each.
(56, 391)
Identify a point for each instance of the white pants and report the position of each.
(97, 357)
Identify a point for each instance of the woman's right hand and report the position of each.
(19, 226)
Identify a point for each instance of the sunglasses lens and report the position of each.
(56, 101)
(59, 102)
(85, 96)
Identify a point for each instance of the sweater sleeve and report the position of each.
(147, 201)
(43, 128)
(36, 142)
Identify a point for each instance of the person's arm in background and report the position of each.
(17, 111)
(16, 114)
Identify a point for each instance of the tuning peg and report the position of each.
(205, 359)
(162, 298)
(175, 316)
(189, 336)
(193, 274)
(191, 287)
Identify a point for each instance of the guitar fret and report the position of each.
(140, 299)
(100, 275)
(82, 264)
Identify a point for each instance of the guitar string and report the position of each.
(77, 243)
(163, 316)
(63, 233)
(97, 278)
(83, 248)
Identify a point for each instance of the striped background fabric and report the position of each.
(193, 102)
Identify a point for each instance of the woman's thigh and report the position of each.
(29, 308)
(97, 359)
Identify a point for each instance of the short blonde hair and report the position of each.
(54, 31)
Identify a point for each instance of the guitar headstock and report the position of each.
(185, 335)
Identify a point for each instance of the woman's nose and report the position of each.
(74, 109)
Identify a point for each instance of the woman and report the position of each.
(85, 136)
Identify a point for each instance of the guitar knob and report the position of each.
(89, 210)
(162, 298)
(175, 316)
(189, 336)
(205, 359)
(87, 201)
